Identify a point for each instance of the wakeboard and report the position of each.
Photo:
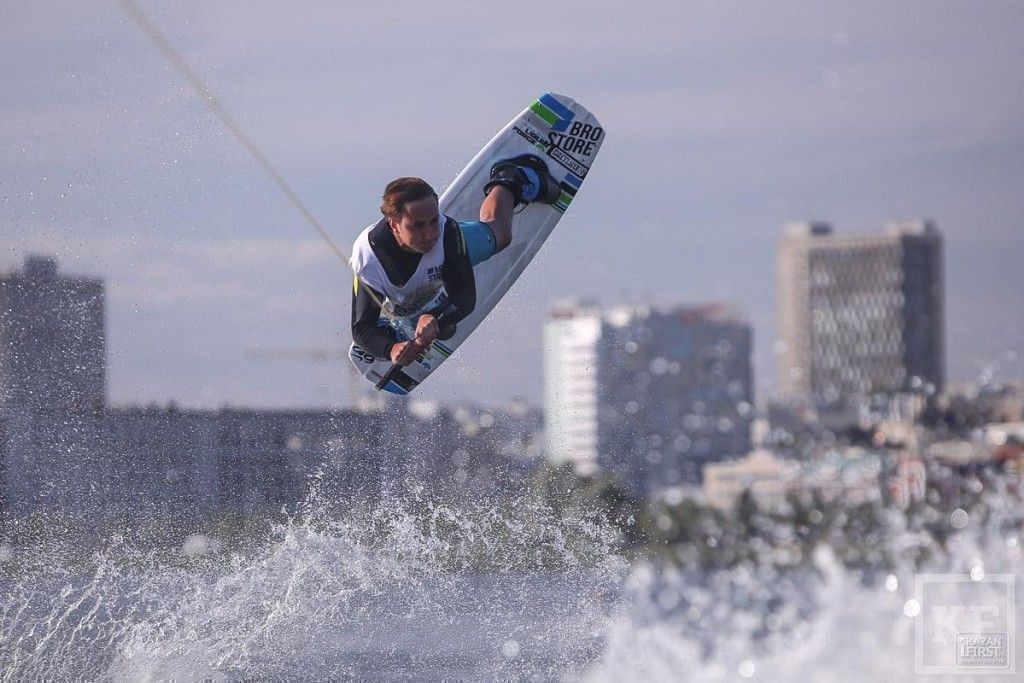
(568, 138)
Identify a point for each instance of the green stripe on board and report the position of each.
(543, 112)
(565, 198)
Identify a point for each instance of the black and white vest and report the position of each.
(422, 291)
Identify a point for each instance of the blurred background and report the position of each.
(770, 361)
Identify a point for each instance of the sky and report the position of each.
(724, 121)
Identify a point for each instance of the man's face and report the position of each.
(419, 227)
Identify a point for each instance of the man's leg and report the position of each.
(520, 180)
(496, 212)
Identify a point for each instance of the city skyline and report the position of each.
(859, 116)
(324, 356)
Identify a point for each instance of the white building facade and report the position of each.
(647, 395)
(570, 385)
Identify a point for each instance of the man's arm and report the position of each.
(459, 281)
(365, 313)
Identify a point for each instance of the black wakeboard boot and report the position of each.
(527, 177)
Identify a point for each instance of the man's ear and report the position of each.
(393, 224)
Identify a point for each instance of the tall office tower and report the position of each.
(860, 314)
(648, 395)
(52, 340)
(570, 385)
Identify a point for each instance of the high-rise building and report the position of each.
(570, 384)
(860, 314)
(648, 395)
(52, 341)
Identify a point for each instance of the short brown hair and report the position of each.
(400, 192)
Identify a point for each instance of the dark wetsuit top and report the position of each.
(400, 265)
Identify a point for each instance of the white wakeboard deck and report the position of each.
(568, 138)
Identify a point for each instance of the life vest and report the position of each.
(425, 289)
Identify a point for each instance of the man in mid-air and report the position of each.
(405, 259)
